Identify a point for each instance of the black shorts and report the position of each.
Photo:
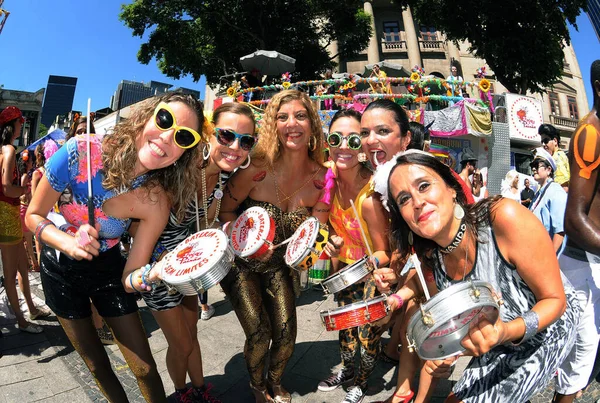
(70, 284)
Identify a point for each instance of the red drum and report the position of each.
(356, 314)
(252, 233)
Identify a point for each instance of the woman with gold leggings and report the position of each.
(286, 178)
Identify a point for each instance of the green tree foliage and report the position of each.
(42, 130)
(208, 37)
(521, 40)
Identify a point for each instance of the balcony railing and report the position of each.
(564, 122)
(388, 46)
(432, 46)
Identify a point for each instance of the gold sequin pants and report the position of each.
(364, 338)
(265, 306)
(11, 232)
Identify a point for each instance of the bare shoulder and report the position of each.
(8, 151)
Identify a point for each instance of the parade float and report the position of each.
(460, 114)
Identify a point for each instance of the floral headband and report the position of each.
(382, 175)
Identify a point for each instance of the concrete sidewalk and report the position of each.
(45, 367)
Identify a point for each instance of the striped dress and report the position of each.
(510, 373)
(174, 233)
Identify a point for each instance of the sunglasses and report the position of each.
(227, 137)
(546, 140)
(164, 119)
(336, 139)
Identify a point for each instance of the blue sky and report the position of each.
(85, 39)
(82, 39)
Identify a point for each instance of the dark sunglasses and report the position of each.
(164, 119)
(227, 137)
(546, 140)
(336, 139)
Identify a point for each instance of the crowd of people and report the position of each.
(168, 171)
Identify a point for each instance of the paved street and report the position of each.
(45, 367)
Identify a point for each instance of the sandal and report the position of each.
(405, 399)
(31, 328)
(261, 395)
(280, 395)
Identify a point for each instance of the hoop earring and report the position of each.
(459, 212)
(312, 147)
(206, 152)
(246, 165)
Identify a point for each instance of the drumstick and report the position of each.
(362, 231)
(90, 203)
(417, 264)
(283, 243)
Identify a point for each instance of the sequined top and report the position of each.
(68, 169)
(347, 226)
(285, 225)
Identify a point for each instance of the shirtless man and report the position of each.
(580, 261)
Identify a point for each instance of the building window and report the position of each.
(428, 33)
(554, 104)
(573, 111)
(391, 31)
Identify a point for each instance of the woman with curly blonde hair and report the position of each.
(286, 178)
(138, 172)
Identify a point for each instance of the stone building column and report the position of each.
(412, 41)
(373, 49)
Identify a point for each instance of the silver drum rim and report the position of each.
(442, 308)
(193, 286)
(347, 276)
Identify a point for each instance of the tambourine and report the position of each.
(355, 314)
(306, 245)
(436, 330)
(252, 233)
(198, 263)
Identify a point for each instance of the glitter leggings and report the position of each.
(364, 338)
(265, 306)
(131, 338)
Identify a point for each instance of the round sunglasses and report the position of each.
(336, 139)
(164, 119)
(227, 137)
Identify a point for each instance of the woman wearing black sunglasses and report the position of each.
(286, 178)
(354, 183)
(138, 172)
(230, 141)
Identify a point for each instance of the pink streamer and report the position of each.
(329, 185)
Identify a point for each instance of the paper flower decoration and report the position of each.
(484, 85)
(286, 85)
(415, 76)
(231, 92)
(481, 72)
(286, 77)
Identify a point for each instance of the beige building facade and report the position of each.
(399, 39)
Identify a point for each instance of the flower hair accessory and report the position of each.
(50, 148)
(481, 72)
(382, 174)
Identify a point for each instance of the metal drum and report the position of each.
(252, 233)
(199, 262)
(356, 314)
(347, 276)
(306, 245)
(435, 332)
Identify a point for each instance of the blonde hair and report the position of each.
(120, 154)
(268, 148)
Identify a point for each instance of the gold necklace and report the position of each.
(278, 189)
(218, 196)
